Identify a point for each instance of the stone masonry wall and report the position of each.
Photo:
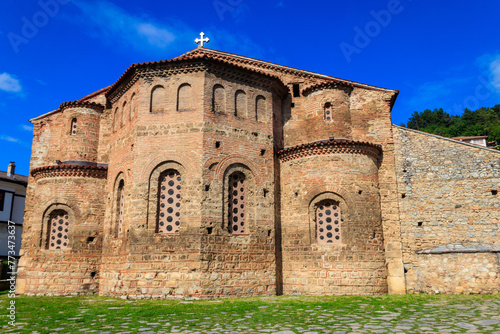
(62, 271)
(449, 208)
(141, 262)
(242, 264)
(357, 264)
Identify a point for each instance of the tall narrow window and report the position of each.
(240, 104)
(124, 113)
(131, 107)
(169, 202)
(328, 222)
(328, 111)
(260, 108)
(119, 207)
(237, 203)
(158, 97)
(219, 99)
(72, 131)
(184, 97)
(58, 230)
(115, 120)
(296, 90)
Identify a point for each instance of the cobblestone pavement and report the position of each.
(439, 316)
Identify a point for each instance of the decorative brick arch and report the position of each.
(55, 206)
(219, 99)
(236, 159)
(210, 167)
(42, 209)
(339, 195)
(313, 192)
(120, 182)
(249, 218)
(172, 156)
(154, 182)
(158, 97)
(184, 97)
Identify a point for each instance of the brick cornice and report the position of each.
(327, 147)
(70, 170)
(193, 63)
(81, 104)
(347, 87)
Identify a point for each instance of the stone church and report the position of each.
(213, 175)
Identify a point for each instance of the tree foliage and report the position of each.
(481, 122)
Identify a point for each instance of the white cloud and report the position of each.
(9, 83)
(155, 35)
(10, 139)
(495, 72)
(26, 127)
(13, 140)
(114, 25)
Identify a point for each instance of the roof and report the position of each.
(91, 95)
(470, 138)
(16, 178)
(269, 65)
(446, 138)
(201, 55)
(243, 62)
(69, 104)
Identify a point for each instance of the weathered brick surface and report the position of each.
(75, 270)
(357, 266)
(208, 115)
(446, 196)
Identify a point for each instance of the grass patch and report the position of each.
(243, 315)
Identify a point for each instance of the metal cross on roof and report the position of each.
(202, 39)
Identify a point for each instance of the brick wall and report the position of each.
(76, 269)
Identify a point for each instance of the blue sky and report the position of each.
(437, 53)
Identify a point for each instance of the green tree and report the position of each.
(484, 121)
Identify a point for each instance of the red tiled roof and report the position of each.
(185, 57)
(272, 66)
(91, 95)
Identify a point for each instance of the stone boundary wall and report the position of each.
(448, 195)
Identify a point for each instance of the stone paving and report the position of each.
(436, 317)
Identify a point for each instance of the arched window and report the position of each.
(328, 111)
(131, 107)
(169, 202)
(219, 99)
(240, 104)
(184, 97)
(124, 113)
(115, 120)
(237, 203)
(260, 108)
(328, 222)
(72, 130)
(158, 96)
(58, 227)
(120, 203)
